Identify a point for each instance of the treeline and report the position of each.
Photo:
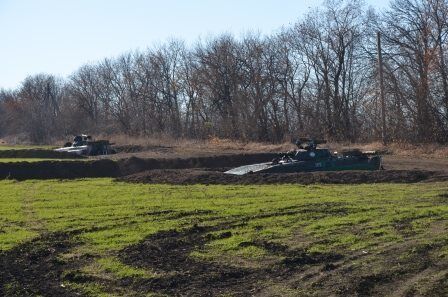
(318, 77)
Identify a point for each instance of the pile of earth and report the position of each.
(38, 153)
(205, 176)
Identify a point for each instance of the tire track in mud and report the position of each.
(399, 269)
(168, 253)
(378, 273)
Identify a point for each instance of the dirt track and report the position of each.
(324, 274)
(168, 252)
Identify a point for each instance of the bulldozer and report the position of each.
(308, 157)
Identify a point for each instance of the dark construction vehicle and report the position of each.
(308, 157)
(85, 145)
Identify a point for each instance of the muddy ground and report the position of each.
(33, 268)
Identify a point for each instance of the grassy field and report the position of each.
(98, 237)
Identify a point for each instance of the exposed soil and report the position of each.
(33, 268)
(197, 176)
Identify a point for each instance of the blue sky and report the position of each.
(58, 36)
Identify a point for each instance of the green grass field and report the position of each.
(297, 240)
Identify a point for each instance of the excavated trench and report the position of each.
(109, 168)
(37, 153)
(201, 170)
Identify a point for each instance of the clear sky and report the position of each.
(58, 36)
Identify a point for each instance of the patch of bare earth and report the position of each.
(34, 269)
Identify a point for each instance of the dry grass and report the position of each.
(427, 150)
(216, 144)
(248, 146)
(431, 150)
(199, 144)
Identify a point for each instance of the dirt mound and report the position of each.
(134, 165)
(37, 153)
(58, 169)
(198, 176)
